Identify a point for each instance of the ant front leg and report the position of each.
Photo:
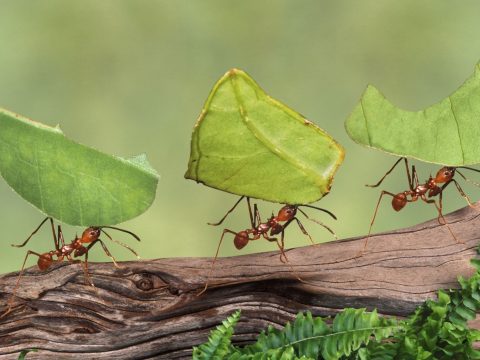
(121, 244)
(300, 225)
(105, 249)
(230, 211)
(55, 239)
(462, 193)
(318, 222)
(391, 169)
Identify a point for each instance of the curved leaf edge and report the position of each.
(371, 87)
(138, 162)
(299, 117)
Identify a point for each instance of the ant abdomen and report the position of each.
(44, 261)
(241, 239)
(399, 201)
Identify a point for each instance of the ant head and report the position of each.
(445, 174)
(90, 234)
(287, 212)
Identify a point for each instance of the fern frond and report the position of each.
(219, 341)
(312, 337)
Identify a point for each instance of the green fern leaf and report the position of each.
(219, 341)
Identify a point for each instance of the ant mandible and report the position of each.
(267, 230)
(433, 187)
(90, 236)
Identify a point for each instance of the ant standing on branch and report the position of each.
(77, 248)
(433, 187)
(275, 225)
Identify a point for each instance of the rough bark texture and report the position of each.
(150, 309)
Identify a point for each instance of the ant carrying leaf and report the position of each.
(426, 192)
(77, 248)
(267, 230)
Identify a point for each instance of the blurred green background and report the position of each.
(128, 77)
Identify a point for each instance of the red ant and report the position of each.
(433, 187)
(90, 236)
(273, 226)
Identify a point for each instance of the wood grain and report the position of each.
(150, 309)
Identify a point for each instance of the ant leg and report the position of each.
(318, 222)
(17, 283)
(105, 249)
(389, 171)
(462, 193)
(283, 255)
(36, 230)
(86, 273)
(60, 236)
(281, 244)
(229, 211)
(300, 225)
(257, 220)
(120, 243)
(413, 180)
(215, 259)
(251, 214)
(439, 207)
(360, 253)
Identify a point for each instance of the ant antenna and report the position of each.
(467, 179)
(122, 230)
(317, 208)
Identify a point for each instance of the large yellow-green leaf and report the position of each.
(447, 133)
(247, 143)
(73, 183)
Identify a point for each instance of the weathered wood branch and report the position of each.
(150, 309)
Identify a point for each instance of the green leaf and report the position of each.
(446, 133)
(25, 352)
(247, 143)
(218, 345)
(68, 181)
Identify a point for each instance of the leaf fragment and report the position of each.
(446, 133)
(248, 143)
(68, 181)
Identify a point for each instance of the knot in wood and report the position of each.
(145, 282)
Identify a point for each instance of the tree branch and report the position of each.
(150, 309)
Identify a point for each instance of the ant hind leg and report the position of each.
(361, 252)
(17, 283)
(225, 231)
